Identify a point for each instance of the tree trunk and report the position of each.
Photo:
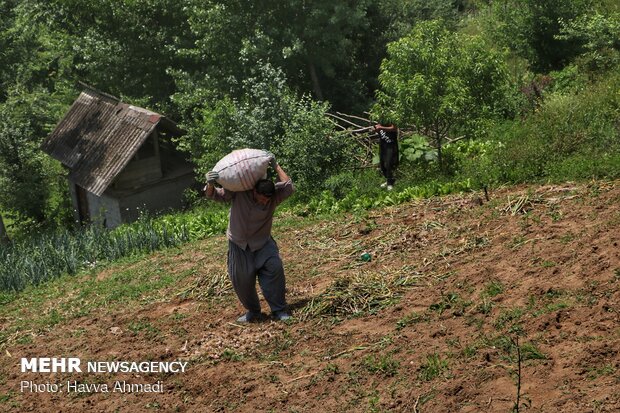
(4, 238)
(438, 140)
(316, 86)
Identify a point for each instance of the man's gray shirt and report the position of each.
(250, 222)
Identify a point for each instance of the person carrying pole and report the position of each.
(388, 152)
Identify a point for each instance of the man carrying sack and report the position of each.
(252, 252)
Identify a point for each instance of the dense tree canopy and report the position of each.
(531, 29)
(233, 72)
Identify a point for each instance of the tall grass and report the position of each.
(47, 256)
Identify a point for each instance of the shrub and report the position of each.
(570, 136)
(271, 117)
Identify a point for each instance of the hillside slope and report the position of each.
(458, 290)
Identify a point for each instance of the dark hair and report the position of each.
(265, 187)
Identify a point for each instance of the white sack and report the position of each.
(241, 169)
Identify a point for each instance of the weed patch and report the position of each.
(433, 367)
(384, 365)
(409, 319)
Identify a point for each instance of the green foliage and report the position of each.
(271, 117)
(339, 185)
(572, 136)
(401, 15)
(434, 366)
(599, 35)
(416, 147)
(22, 189)
(204, 131)
(198, 223)
(443, 83)
(584, 166)
(384, 365)
(493, 288)
(326, 203)
(36, 260)
(34, 65)
(28, 178)
(124, 47)
(408, 320)
(34, 55)
(318, 44)
(310, 147)
(569, 80)
(530, 28)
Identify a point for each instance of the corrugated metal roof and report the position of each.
(99, 136)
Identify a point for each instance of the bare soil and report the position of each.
(520, 290)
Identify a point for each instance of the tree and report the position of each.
(124, 47)
(269, 116)
(600, 36)
(530, 29)
(441, 82)
(33, 89)
(319, 45)
(400, 16)
(23, 188)
(4, 238)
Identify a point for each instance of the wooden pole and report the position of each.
(353, 117)
(345, 120)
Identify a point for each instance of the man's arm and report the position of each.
(216, 194)
(387, 128)
(284, 186)
(282, 176)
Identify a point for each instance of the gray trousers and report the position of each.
(244, 266)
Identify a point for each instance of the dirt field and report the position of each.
(463, 302)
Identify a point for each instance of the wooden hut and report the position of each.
(120, 159)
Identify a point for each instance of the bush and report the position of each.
(310, 148)
(585, 166)
(530, 28)
(568, 80)
(570, 136)
(600, 36)
(270, 117)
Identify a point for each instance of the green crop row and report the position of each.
(47, 256)
(326, 203)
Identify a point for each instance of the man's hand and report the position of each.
(272, 159)
(212, 177)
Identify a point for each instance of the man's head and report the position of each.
(263, 191)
